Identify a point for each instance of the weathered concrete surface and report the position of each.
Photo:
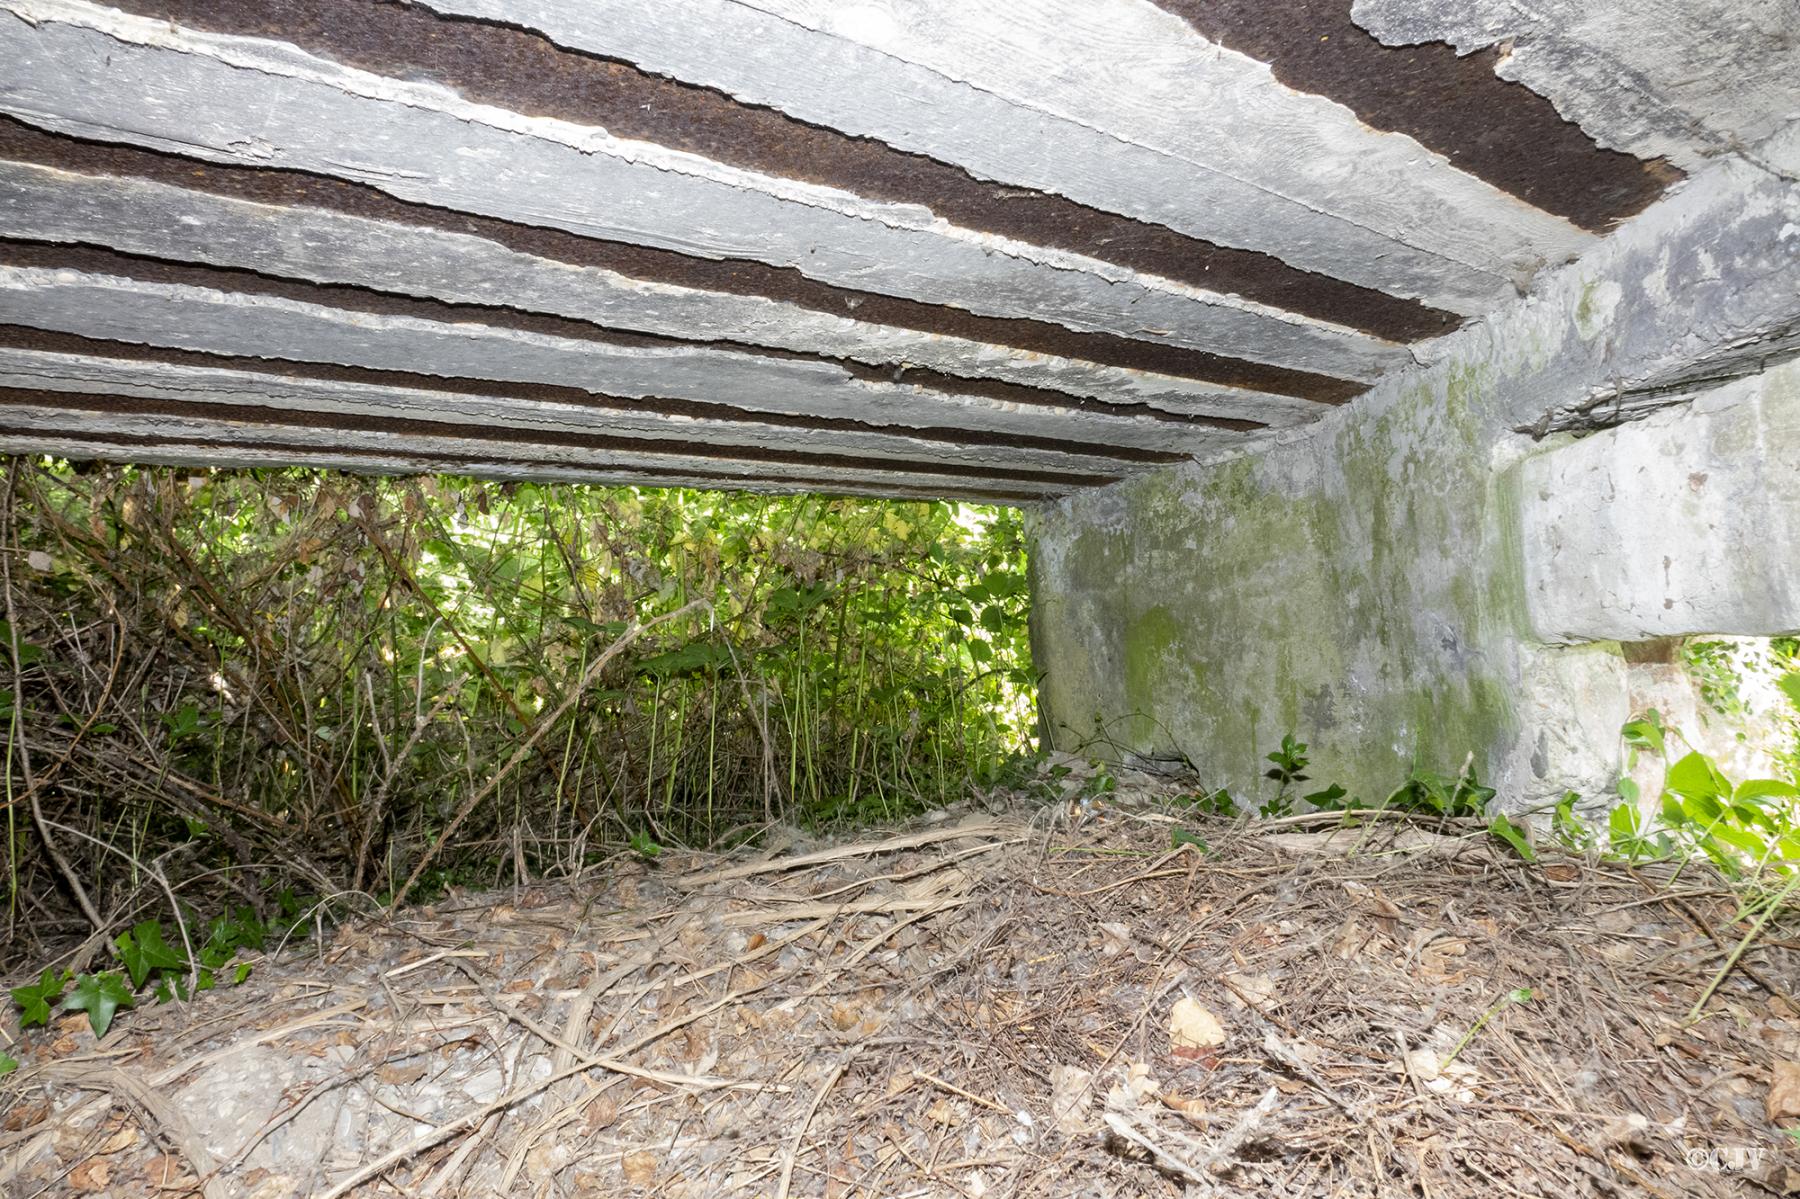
(1037, 233)
(1362, 584)
(94, 72)
(1683, 523)
(1030, 92)
(1683, 80)
(162, 221)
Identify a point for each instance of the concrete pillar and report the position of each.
(1379, 583)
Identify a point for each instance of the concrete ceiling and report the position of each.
(898, 247)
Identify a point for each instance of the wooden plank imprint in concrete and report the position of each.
(891, 247)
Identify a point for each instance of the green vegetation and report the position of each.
(152, 966)
(224, 685)
(1747, 831)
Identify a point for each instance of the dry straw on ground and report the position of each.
(991, 1004)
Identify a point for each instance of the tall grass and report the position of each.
(251, 680)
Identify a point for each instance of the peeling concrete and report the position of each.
(218, 322)
(1684, 81)
(1031, 93)
(162, 221)
(94, 72)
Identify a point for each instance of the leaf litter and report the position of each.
(983, 1004)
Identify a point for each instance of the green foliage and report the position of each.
(1499, 826)
(337, 663)
(1710, 665)
(1182, 836)
(1290, 762)
(152, 964)
(1746, 829)
(1332, 798)
(144, 952)
(34, 999)
(99, 995)
(1441, 795)
(1569, 828)
(1212, 803)
(644, 845)
(1645, 733)
(1425, 793)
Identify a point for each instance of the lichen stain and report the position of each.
(1358, 589)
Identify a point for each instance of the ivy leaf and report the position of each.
(34, 1000)
(143, 951)
(99, 995)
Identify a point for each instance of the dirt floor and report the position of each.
(997, 1002)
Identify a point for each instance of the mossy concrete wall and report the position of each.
(1360, 583)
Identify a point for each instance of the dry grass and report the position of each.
(974, 1008)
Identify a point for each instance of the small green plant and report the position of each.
(1290, 762)
(1333, 799)
(1516, 995)
(1571, 830)
(1101, 782)
(151, 964)
(1181, 837)
(1505, 830)
(1426, 793)
(1435, 794)
(644, 845)
(1213, 803)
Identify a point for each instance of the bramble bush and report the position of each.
(230, 683)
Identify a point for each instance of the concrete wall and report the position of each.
(1675, 524)
(1363, 583)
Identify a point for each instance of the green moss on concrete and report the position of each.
(1154, 658)
(1349, 589)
